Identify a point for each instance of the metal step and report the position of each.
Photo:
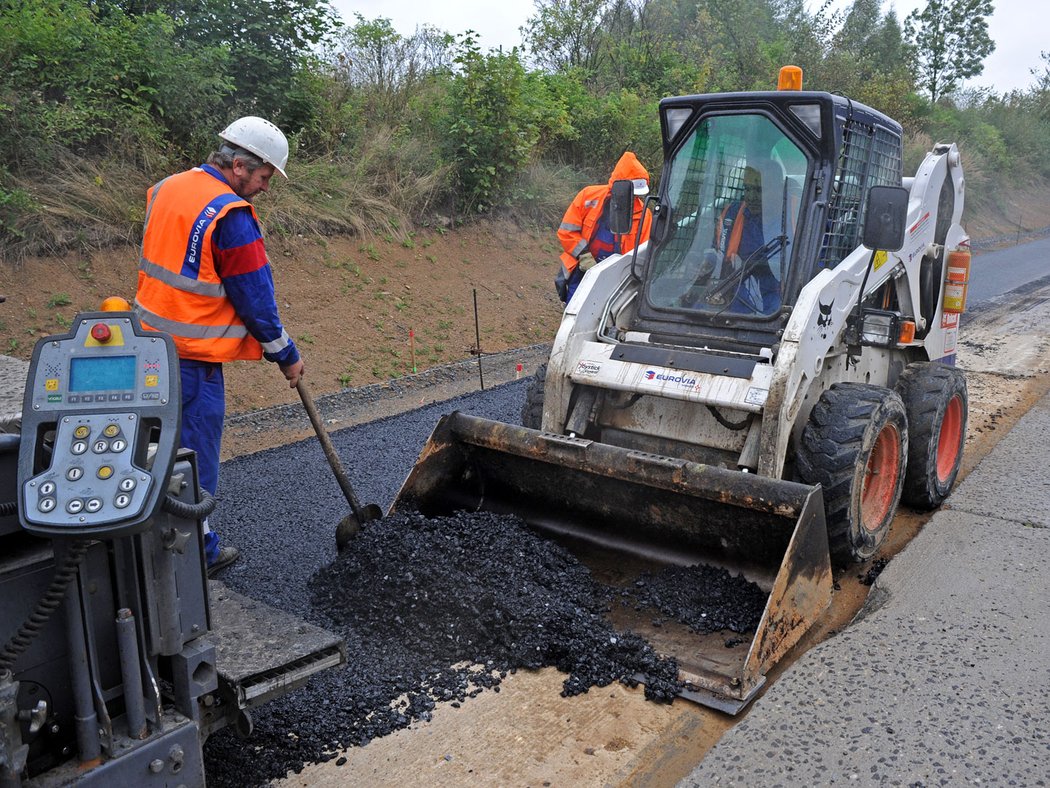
(262, 653)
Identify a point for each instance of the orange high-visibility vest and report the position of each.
(730, 241)
(179, 291)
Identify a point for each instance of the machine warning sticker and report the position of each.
(951, 336)
(881, 257)
(588, 368)
(915, 228)
(756, 396)
(949, 320)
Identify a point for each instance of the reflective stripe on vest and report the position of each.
(188, 330)
(179, 290)
(180, 282)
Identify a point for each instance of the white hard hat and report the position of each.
(259, 136)
(641, 187)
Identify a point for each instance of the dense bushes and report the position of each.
(99, 97)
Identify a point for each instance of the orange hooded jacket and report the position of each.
(580, 222)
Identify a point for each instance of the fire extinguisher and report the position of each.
(957, 280)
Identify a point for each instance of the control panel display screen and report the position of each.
(102, 373)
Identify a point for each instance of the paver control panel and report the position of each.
(100, 424)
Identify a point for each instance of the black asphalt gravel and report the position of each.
(414, 597)
(704, 598)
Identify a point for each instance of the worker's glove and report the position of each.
(566, 286)
(586, 261)
(561, 284)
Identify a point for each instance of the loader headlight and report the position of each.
(879, 328)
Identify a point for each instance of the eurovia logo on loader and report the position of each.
(682, 380)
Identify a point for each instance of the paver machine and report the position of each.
(118, 657)
(758, 385)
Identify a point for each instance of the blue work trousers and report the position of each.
(203, 411)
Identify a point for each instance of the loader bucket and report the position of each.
(644, 509)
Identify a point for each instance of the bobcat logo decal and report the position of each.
(824, 318)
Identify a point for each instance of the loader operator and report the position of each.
(205, 279)
(584, 230)
(736, 269)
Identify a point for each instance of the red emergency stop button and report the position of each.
(100, 333)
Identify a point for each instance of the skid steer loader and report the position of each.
(757, 397)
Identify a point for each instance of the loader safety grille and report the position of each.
(870, 156)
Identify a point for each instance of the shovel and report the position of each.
(350, 525)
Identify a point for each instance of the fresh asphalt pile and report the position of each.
(432, 610)
(704, 598)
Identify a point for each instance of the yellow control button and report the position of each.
(51, 384)
(111, 430)
(152, 380)
(81, 431)
(104, 471)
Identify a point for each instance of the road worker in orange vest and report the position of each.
(204, 278)
(584, 231)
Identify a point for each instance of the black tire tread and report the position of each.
(925, 388)
(827, 455)
(532, 410)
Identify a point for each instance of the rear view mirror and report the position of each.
(886, 217)
(621, 207)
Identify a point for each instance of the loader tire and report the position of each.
(855, 446)
(532, 410)
(936, 401)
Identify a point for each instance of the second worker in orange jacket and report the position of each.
(585, 228)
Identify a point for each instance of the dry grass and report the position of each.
(543, 192)
(387, 187)
(81, 204)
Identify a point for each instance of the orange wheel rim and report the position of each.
(880, 479)
(949, 442)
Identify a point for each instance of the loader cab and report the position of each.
(759, 193)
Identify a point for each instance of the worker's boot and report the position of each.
(227, 555)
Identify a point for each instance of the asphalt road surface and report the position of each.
(1004, 270)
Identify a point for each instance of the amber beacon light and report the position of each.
(790, 78)
(116, 304)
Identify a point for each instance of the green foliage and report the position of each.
(566, 34)
(99, 98)
(271, 45)
(87, 76)
(492, 126)
(951, 41)
(16, 206)
(387, 69)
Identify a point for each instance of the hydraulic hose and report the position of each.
(67, 570)
(190, 511)
(729, 425)
(47, 605)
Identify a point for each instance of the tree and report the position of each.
(272, 44)
(388, 67)
(951, 41)
(565, 34)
